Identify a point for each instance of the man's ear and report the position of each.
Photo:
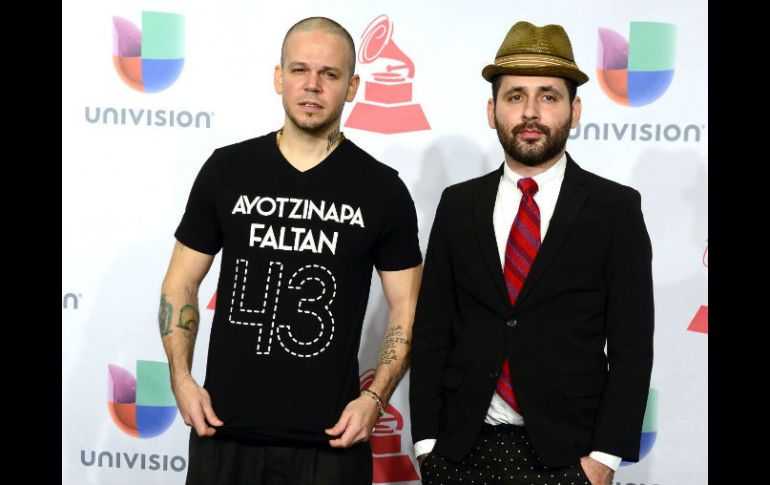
(277, 79)
(491, 113)
(577, 108)
(352, 87)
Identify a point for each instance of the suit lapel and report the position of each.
(572, 197)
(484, 206)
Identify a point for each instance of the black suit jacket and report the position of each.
(590, 285)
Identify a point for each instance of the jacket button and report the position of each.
(494, 375)
(512, 322)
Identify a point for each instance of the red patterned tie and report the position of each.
(520, 252)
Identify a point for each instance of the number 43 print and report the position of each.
(315, 307)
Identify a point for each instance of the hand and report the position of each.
(356, 423)
(195, 407)
(597, 472)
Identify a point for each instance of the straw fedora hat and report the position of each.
(528, 50)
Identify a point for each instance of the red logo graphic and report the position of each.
(389, 464)
(388, 107)
(700, 322)
(213, 303)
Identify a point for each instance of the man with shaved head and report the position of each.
(301, 215)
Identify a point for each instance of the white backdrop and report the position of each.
(125, 184)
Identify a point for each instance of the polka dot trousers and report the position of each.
(502, 455)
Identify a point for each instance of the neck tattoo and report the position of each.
(333, 138)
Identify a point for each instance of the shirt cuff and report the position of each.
(424, 446)
(611, 461)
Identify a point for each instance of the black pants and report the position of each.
(502, 455)
(229, 461)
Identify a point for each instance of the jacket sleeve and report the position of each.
(432, 337)
(629, 328)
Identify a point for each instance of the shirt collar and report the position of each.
(555, 172)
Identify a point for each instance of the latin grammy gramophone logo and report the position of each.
(388, 107)
(389, 462)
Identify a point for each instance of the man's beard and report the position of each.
(313, 124)
(537, 152)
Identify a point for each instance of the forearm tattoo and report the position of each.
(188, 320)
(393, 337)
(165, 312)
(332, 139)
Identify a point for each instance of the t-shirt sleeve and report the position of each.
(200, 228)
(399, 246)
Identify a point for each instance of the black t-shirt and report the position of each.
(297, 256)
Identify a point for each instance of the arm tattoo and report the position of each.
(332, 139)
(393, 337)
(164, 316)
(188, 320)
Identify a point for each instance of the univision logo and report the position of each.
(649, 426)
(151, 59)
(651, 132)
(638, 71)
(143, 407)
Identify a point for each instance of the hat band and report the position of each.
(532, 61)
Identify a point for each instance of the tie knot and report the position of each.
(528, 186)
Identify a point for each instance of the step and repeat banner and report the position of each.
(150, 89)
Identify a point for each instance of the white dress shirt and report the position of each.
(506, 208)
